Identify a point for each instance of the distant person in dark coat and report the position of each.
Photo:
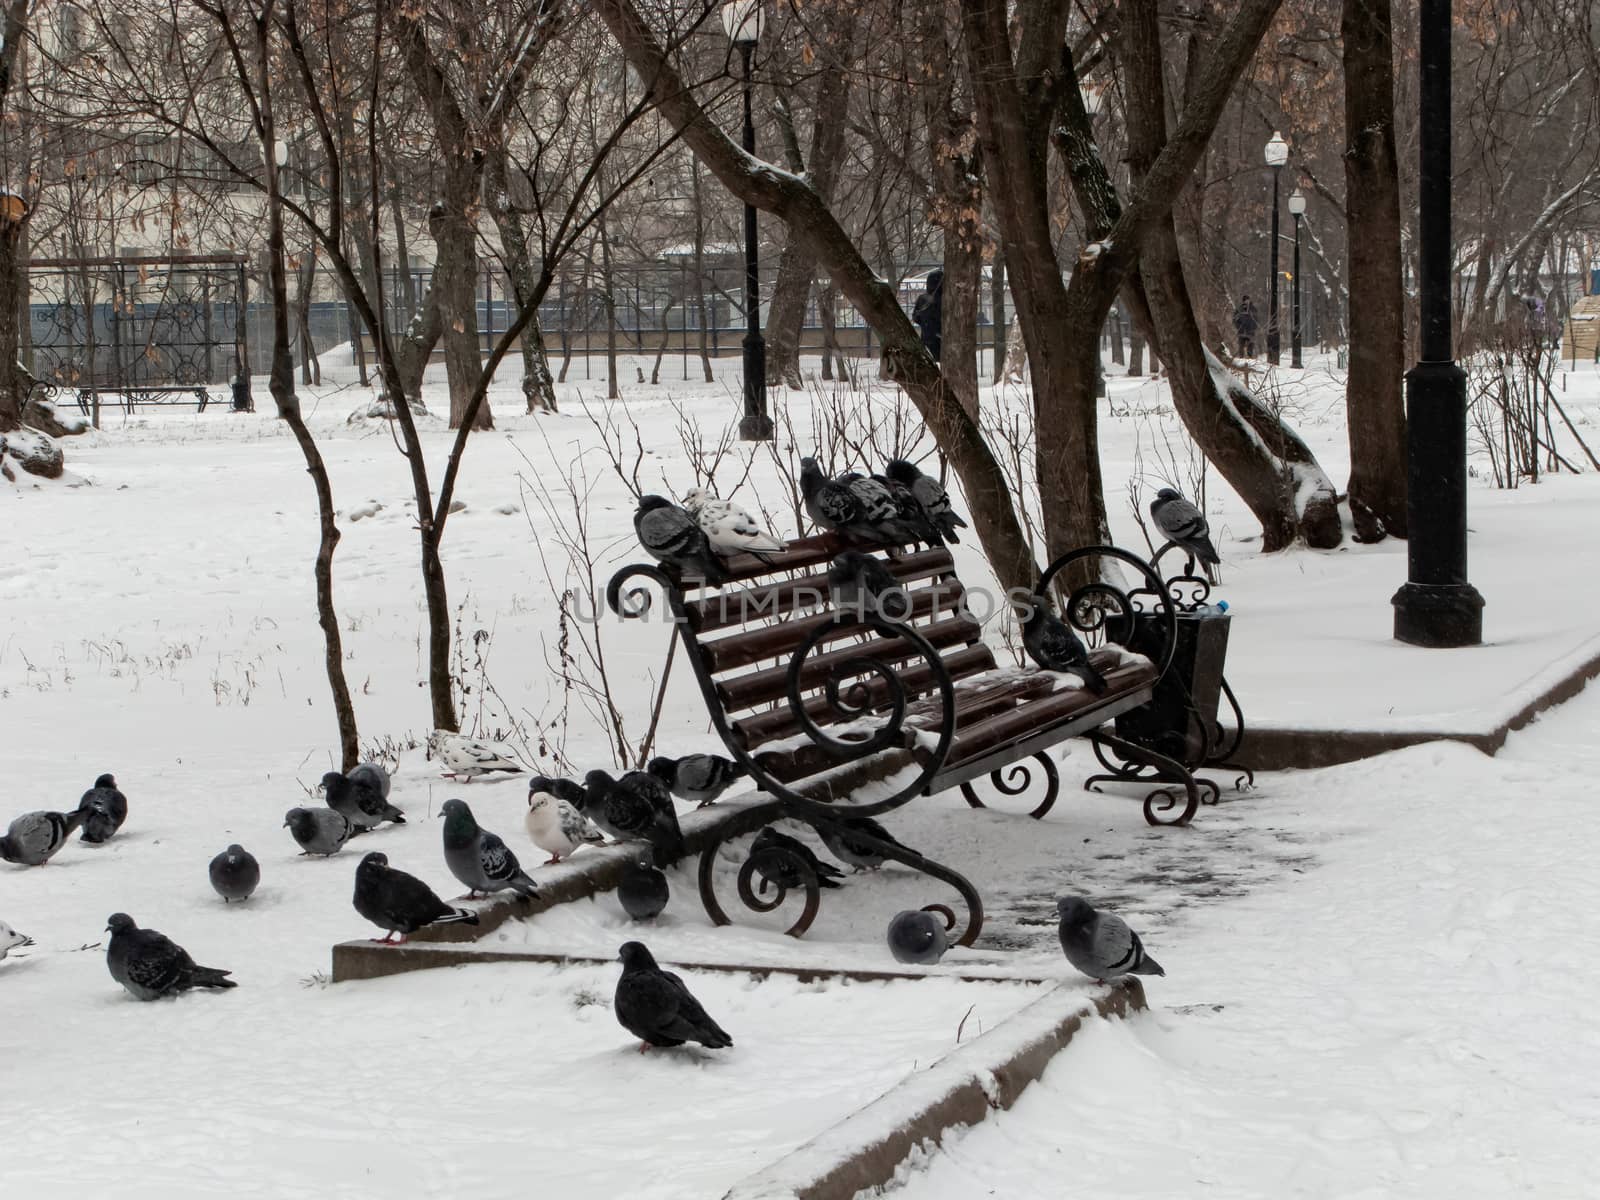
(1244, 324)
(928, 313)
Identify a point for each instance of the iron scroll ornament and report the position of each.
(850, 701)
(1086, 606)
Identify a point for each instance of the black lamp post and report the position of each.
(742, 20)
(1297, 209)
(1437, 606)
(1276, 154)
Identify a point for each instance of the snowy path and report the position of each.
(1410, 1017)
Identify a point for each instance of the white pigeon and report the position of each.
(464, 757)
(557, 828)
(729, 528)
(10, 939)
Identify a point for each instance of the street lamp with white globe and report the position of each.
(1297, 209)
(1276, 154)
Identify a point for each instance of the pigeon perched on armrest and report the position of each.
(1185, 525)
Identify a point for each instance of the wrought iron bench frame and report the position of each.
(1097, 608)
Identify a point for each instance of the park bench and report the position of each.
(131, 397)
(839, 714)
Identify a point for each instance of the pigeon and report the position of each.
(830, 504)
(1184, 524)
(1052, 644)
(466, 758)
(913, 521)
(862, 586)
(151, 965)
(643, 891)
(839, 837)
(235, 873)
(656, 1007)
(10, 939)
(34, 837)
(778, 868)
(105, 809)
(919, 937)
(319, 830)
(400, 903)
(479, 858)
(698, 778)
(556, 827)
(1100, 944)
(880, 512)
(561, 789)
(362, 804)
(638, 806)
(671, 535)
(930, 494)
(729, 528)
(371, 775)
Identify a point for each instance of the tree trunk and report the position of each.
(1374, 392)
(538, 386)
(455, 286)
(305, 281)
(827, 309)
(1118, 358)
(13, 388)
(997, 315)
(1135, 350)
(1290, 498)
(703, 310)
(963, 275)
(609, 300)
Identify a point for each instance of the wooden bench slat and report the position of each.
(746, 691)
(739, 606)
(779, 722)
(782, 639)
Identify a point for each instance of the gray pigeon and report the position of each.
(359, 800)
(842, 838)
(1100, 944)
(643, 891)
(656, 1006)
(319, 830)
(35, 837)
(777, 867)
(880, 512)
(371, 775)
(930, 494)
(673, 536)
(698, 778)
(1052, 644)
(235, 874)
(916, 523)
(479, 858)
(105, 809)
(151, 965)
(1184, 524)
(400, 903)
(638, 806)
(10, 939)
(860, 585)
(830, 504)
(917, 937)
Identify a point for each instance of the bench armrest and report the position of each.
(1097, 604)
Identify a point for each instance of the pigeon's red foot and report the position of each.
(643, 1046)
(552, 860)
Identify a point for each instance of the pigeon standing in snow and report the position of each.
(656, 1006)
(235, 874)
(34, 837)
(104, 810)
(555, 826)
(466, 758)
(778, 868)
(919, 937)
(930, 494)
(151, 965)
(10, 939)
(841, 838)
(400, 903)
(1052, 644)
(729, 528)
(478, 858)
(1100, 944)
(1182, 523)
(371, 775)
(671, 535)
(643, 891)
(638, 806)
(361, 803)
(698, 778)
(318, 830)
(861, 585)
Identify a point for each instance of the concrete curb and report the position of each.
(865, 1150)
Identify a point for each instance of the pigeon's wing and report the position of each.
(1179, 519)
(575, 827)
(1059, 644)
(692, 1022)
(1115, 946)
(647, 1005)
(666, 530)
(158, 963)
(838, 504)
(629, 812)
(496, 858)
(696, 772)
(406, 896)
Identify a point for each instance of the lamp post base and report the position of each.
(1438, 616)
(755, 427)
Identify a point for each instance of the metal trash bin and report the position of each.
(1180, 721)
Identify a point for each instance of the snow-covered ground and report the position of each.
(159, 625)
